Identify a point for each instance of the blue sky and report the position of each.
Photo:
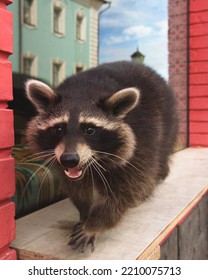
(131, 23)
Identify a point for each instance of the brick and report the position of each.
(198, 5)
(7, 131)
(7, 223)
(182, 127)
(180, 56)
(198, 103)
(6, 80)
(182, 115)
(7, 178)
(8, 254)
(177, 7)
(178, 79)
(6, 44)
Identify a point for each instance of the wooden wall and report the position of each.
(198, 87)
(189, 240)
(7, 175)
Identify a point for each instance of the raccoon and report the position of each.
(112, 129)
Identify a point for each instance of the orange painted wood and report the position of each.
(198, 69)
(7, 223)
(198, 140)
(198, 116)
(198, 90)
(6, 43)
(7, 131)
(199, 17)
(198, 5)
(8, 254)
(199, 127)
(7, 178)
(198, 103)
(199, 29)
(5, 80)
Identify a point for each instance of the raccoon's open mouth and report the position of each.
(74, 173)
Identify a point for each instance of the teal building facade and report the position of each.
(54, 39)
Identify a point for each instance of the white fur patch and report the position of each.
(53, 121)
(84, 152)
(100, 122)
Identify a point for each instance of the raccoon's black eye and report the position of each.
(58, 130)
(89, 130)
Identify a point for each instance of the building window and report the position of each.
(80, 25)
(29, 12)
(29, 65)
(58, 18)
(79, 68)
(58, 72)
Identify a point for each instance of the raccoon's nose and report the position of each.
(69, 160)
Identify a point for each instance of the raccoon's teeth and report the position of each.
(73, 173)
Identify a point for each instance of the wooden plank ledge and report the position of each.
(44, 234)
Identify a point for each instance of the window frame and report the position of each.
(61, 74)
(32, 23)
(81, 25)
(34, 64)
(60, 29)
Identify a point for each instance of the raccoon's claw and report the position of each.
(80, 239)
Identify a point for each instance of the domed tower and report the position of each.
(137, 56)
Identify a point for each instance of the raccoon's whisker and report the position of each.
(38, 155)
(93, 182)
(95, 158)
(120, 158)
(43, 166)
(103, 178)
(105, 182)
(50, 164)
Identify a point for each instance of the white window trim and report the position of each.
(34, 15)
(34, 69)
(59, 4)
(83, 31)
(62, 74)
(79, 65)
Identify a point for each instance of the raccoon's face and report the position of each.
(82, 137)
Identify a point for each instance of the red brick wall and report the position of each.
(7, 175)
(198, 88)
(178, 62)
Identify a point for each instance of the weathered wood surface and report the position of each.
(44, 234)
(189, 240)
(193, 233)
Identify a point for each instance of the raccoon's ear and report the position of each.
(123, 101)
(40, 94)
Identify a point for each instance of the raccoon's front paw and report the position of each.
(81, 238)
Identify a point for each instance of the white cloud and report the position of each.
(137, 31)
(162, 27)
(130, 33)
(128, 24)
